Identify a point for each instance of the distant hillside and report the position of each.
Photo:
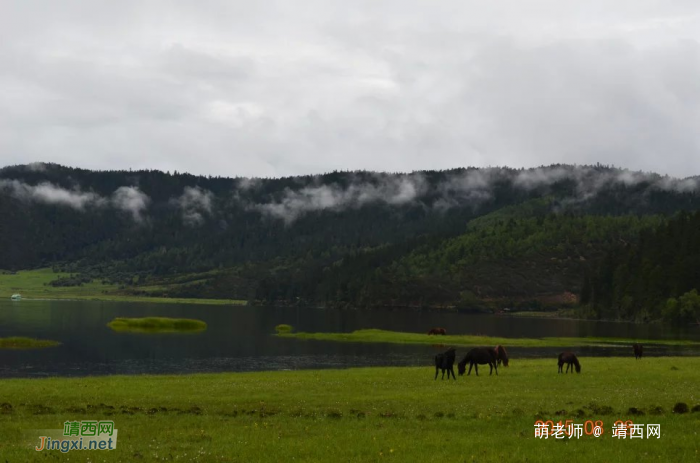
(461, 237)
(656, 276)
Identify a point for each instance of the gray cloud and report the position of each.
(242, 89)
(194, 203)
(589, 181)
(472, 188)
(36, 167)
(394, 190)
(50, 194)
(132, 200)
(126, 198)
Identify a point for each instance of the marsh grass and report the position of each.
(157, 325)
(396, 337)
(366, 414)
(17, 342)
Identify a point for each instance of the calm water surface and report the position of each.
(241, 338)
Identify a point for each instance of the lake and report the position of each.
(241, 338)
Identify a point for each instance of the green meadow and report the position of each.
(366, 414)
(396, 337)
(34, 284)
(157, 325)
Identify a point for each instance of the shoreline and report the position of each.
(155, 300)
(398, 337)
(426, 365)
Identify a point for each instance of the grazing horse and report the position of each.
(445, 362)
(437, 331)
(638, 349)
(501, 355)
(570, 359)
(479, 356)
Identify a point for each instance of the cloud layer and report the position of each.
(394, 190)
(471, 187)
(50, 194)
(126, 198)
(458, 188)
(238, 88)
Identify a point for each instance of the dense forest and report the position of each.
(466, 238)
(657, 277)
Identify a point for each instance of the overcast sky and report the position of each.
(233, 88)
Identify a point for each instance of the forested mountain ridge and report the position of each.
(458, 237)
(657, 277)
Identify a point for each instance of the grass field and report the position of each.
(397, 337)
(365, 414)
(33, 284)
(157, 325)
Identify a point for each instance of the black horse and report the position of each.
(479, 356)
(445, 362)
(638, 349)
(570, 359)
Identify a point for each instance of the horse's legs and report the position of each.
(436, 371)
(471, 364)
(451, 370)
(490, 368)
(476, 368)
(495, 367)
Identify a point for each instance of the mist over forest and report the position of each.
(468, 238)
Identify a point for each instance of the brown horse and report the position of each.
(570, 359)
(479, 356)
(638, 349)
(501, 355)
(437, 331)
(445, 362)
